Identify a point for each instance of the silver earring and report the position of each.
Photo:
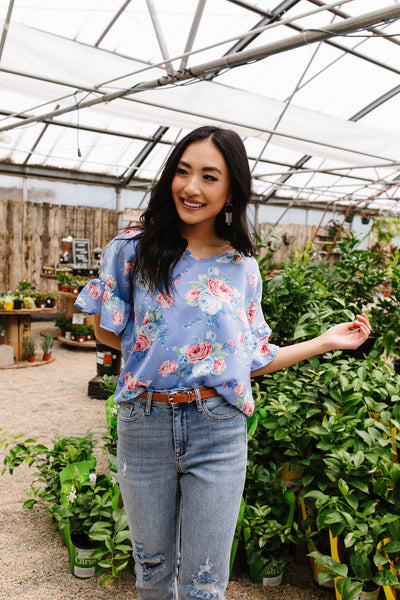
(228, 213)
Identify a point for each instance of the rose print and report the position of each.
(165, 300)
(198, 351)
(106, 295)
(128, 266)
(248, 408)
(192, 294)
(167, 368)
(252, 312)
(263, 345)
(94, 290)
(131, 382)
(253, 281)
(239, 389)
(130, 232)
(118, 317)
(142, 343)
(242, 315)
(109, 280)
(220, 289)
(219, 365)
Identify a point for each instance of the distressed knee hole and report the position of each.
(124, 468)
(204, 583)
(149, 563)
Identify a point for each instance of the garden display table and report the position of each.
(17, 326)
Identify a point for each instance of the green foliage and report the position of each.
(386, 228)
(30, 345)
(47, 344)
(90, 510)
(91, 505)
(304, 298)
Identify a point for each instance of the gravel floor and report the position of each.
(52, 399)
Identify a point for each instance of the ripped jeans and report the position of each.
(181, 470)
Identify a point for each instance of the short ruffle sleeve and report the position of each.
(111, 294)
(263, 351)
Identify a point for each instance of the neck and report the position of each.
(204, 243)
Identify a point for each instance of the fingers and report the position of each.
(365, 325)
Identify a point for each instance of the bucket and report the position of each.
(108, 360)
(82, 564)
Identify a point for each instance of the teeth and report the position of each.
(192, 204)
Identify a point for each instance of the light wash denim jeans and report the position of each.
(181, 470)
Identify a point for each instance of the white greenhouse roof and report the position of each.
(98, 90)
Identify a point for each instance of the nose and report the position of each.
(192, 187)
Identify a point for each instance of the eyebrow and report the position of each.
(182, 162)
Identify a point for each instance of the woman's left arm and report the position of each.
(344, 336)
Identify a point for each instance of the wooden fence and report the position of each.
(31, 233)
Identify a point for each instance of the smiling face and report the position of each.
(200, 187)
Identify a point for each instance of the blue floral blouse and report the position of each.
(209, 332)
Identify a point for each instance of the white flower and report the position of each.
(92, 478)
(72, 494)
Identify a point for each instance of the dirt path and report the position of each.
(41, 402)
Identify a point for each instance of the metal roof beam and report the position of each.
(367, 109)
(344, 15)
(261, 52)
(6, 26)
(192, 33)
(143, 154)
(160, 37)
(273, 16)
(112, 22)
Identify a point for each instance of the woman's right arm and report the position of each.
(108, 338)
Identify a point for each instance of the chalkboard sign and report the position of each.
(81, 253)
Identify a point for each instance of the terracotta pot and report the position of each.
(31, 358)
(47, 356)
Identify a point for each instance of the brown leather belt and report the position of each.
(181, 396)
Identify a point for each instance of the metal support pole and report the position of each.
(160, 37)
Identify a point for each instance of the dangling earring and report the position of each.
(228, 213)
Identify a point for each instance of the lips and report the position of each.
(191, 203)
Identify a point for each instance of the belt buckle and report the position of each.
(179, 392)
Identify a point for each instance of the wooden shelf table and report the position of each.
(17, 326)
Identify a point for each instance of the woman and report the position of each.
(181, 297)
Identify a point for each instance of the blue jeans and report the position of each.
(181, 470)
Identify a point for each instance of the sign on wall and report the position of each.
(81, 252)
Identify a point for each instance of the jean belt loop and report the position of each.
(199, 404)
(147, 408)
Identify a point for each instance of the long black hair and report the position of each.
(160, 243)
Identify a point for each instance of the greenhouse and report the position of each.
(97, 98)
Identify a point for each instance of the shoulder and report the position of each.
(124, 242)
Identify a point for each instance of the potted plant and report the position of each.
(63, 277)
(269, 529)
(48, 462)
(80, 332)
(98, 531)
(47, 347)
(18, 302)
(51, 299)
(40, 299)
(30, 347)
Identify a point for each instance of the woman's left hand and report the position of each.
(345, 336)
